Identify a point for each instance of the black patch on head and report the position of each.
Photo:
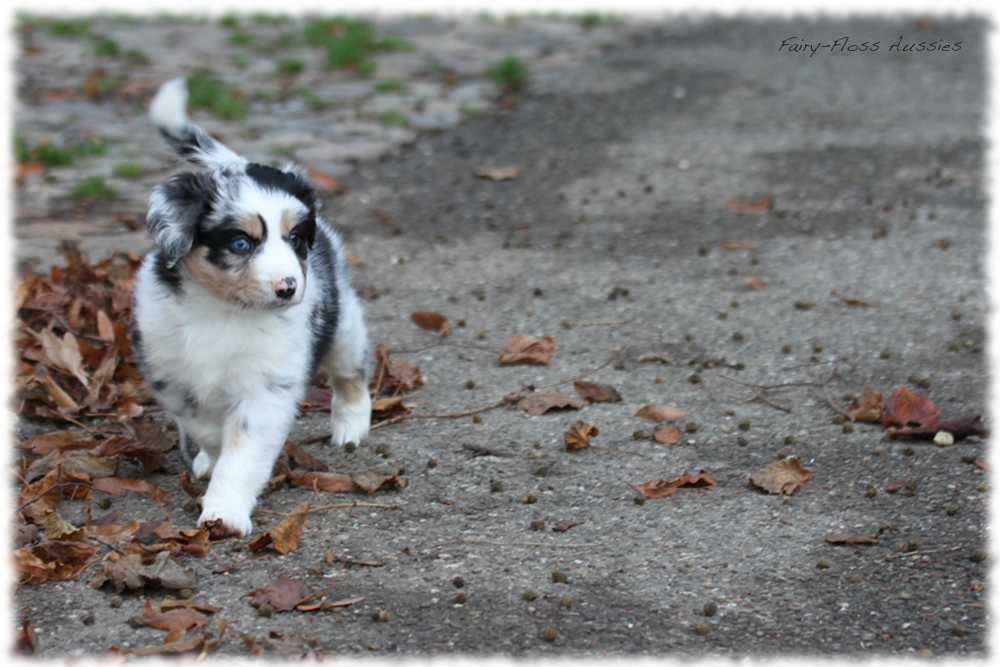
(218, 242)
(189, 198)
(167, 275)
(290, 182)
(305, 232)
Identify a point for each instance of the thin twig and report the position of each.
(583, 375)
(926, 551)
(829, 398)
(528, 544)
(108, 545)
(60, 485)
(261, 510)
(465, 345)
(229, 568)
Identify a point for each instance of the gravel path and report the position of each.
(618, 238)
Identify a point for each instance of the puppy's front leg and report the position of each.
(252, 438)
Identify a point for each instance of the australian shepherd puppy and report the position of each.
(245, 297)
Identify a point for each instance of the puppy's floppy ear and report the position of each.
(175, 210)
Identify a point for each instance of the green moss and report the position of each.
(105, 46)
(129, 170)
(290, 67)
(216, 96)
(240, 38)
(510, 73)
(93, 188)
(389, 86)
(394, 117)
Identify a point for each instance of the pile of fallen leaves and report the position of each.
(914, 416)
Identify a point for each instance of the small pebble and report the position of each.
(529, 594)
(959, 630)
(886, 353)
(477, 419)
(104, 503)
(822, 563)
(786, 349)
(88, 618)
(781, 453)
(978, 556)
(382, 450)
(458, 582)
(744, 425)
(691, 427)
(817, 348)
(710, 608)
(314, 641)
(904, 596)
(566, 601)
(907, 451)
(968, 457)
(116, 601)
(432, 463)
(558, 577)
(549, 634)
(743, 441)
(944, 439)
(639, 434)
(857, 578)
(737, 336)
(266, 610)
(983, 488)
(350, 446)
(639, 499)
(460, 598)
(537, 525)
(496, 486)
(871, 491)
(951, 510)
(723, 314)
(470, 384)
(848, 428)
(694, 378)
(702, 629)
(185, 593)
(532, 497)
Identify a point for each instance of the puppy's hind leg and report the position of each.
(349, 366)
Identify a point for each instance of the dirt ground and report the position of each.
(614, 238)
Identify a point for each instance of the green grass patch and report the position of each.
(231, 21)
(105, 46)
(130, 170)
(394, 117)
(69, 27)
(93, 188)
(216, 96)
(389, 86)
(262, 18)
(52, 155)
(290, 67)
(350, 42)
(510, 73)
(240, 38)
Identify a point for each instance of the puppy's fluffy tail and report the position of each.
(169, 115)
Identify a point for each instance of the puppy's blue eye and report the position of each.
(240, 245)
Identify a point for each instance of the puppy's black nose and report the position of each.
(285, 288)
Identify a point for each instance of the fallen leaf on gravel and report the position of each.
(849, 302)
(191, 489)
(661, 488)
(62, 441)
(254, 650)
(867, 407)
(578, 436)
(496, 173)
(669, 435)
(750, 207)
(325, 182)
(53, 559)
(393, 376)
(536, 404)
(961, 428)
(386, 408)
(116, 485)
(335, 482)
(981, 463)
(26, 639)
(176, 621)
(525, 349)
(428, 319)
(894, 486)
(905, 408)
(784, 476)
(596, 392)
(282, 594)
(756, 283)
(149, 455)
(852, 539)
(302, 459)
(563, 526)
(113, 533)
(129, 572)
(737, 245)
(659, 413)
(317, 398)
(285, 534)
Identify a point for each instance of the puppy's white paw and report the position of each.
(202, 466)
(350, 422)
(225, 521)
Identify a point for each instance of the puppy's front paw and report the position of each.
(350, 422)
(220, 522)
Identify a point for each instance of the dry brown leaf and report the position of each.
(393, 376)
(849, 302)
(63, 441)
(302, 459)
(784, 476)
(867, 407)
(386, 408)
(659, 413)
(746, 207)
(852, 539)
(669, 435)
(428, 319)
(536, 404)
(26, 639)
(596, 392)
(496, 173)
(282, 594)
(254, 650)
(661, 488)
(905, 408)
(756, 283)
(116, 485)
(578, 436)
(325, 182)
(563, 526)
(130, 572)
(335, 482)
(176, 621)
(525, 349)
(285, 534)
(960, 428)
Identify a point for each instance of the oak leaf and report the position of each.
(282, 594)
(781, 477)
(596, 392)
(669, 435)
(386, 408)
(661, 488)
(868, 407)
(536, 404)
(525, 349)
(578, 435)
(659, 413)
(285, 534)
(175, 621)
(904, 408)
(960, 427)
(428, 319)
